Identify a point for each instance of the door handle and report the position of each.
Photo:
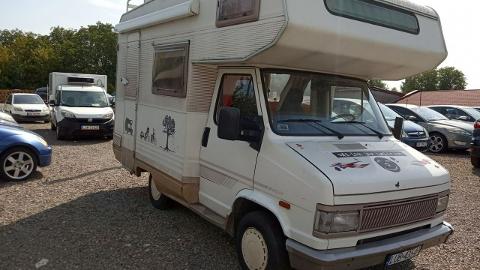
(206, 134)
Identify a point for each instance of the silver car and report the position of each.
(444, 133)
(462, 113)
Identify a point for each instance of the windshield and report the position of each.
(429, 114)
(390, 115)
(472, 112)
(27, 99)
(308, 104)
(83, 99)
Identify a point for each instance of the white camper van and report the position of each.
(80, 106)
(230, 107)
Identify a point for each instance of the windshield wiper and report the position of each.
(318, 122)
(378, 133)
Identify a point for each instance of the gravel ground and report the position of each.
(85, 212)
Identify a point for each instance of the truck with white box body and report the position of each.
(229, 105)
(80, 106)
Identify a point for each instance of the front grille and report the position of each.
(397, 214)
(420, 134)
(91, 121)
(33, 110)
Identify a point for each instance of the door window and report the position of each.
(238, 91)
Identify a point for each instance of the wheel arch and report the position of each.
(248, 201)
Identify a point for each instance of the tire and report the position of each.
(475, 162)
(158, 200)
(260, 243)
(60, 135)
(17, 164)
(438, 143)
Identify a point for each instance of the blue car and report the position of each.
(21, 151)
(413, 135)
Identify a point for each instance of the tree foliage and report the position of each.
(378, 83)
(26, 59)
(446, 78)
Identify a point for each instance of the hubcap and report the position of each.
(437, 144)
(18, 165)
(254, 249)
(153, 189)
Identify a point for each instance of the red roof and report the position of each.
(442, 97)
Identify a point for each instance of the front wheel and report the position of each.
(438, 143)
(17, 164)
(158, 199)
(260, 243)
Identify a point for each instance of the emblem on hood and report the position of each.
(388, 164)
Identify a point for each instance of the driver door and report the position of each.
(227, 167)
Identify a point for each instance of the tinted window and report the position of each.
(27, 99)
(474, 113)
(428, 114)
(237, 91)
(390, 115)
(375, 13)
(170, 70)
(405, 113)
(232, 12)
(83, 99)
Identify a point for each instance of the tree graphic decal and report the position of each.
(168, 129)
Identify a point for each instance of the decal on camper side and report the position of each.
(149, 136)
(169, 129)
(128, 126)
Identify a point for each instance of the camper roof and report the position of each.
(375, 39)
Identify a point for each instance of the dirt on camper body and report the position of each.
(86, 212)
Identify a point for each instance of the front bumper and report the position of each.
(45, 157)
(364, 255)
(73, 127)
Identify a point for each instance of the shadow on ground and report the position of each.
(115, 230)
(51, 137)
(35, 176)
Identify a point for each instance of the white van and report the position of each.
(80, 106)
(229, 106)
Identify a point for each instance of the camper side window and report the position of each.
(231, 12)
(170, 70)
(238, 91)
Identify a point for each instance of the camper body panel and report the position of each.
(176, 139)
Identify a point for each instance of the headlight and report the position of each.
(442, 204)
(42, 141)
(17, 109)
(67, 114)
(336, 222)
(108, 116)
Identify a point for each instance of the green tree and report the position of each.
(378, 84)
(438, 79)
(451, 78)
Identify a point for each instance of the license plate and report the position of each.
(403, 256)
(90, 127)
(422, 144)
(33, 114)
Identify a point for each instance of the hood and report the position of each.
(31, 106)
(363, 168)
(88, 112)
(408, 126)
(454, 124)
(7, 130)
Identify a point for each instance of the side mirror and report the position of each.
(52, 103)
(229, 124)
(463, 118)
(398, 128)
(412, 118)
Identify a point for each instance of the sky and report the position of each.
(459, 19)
